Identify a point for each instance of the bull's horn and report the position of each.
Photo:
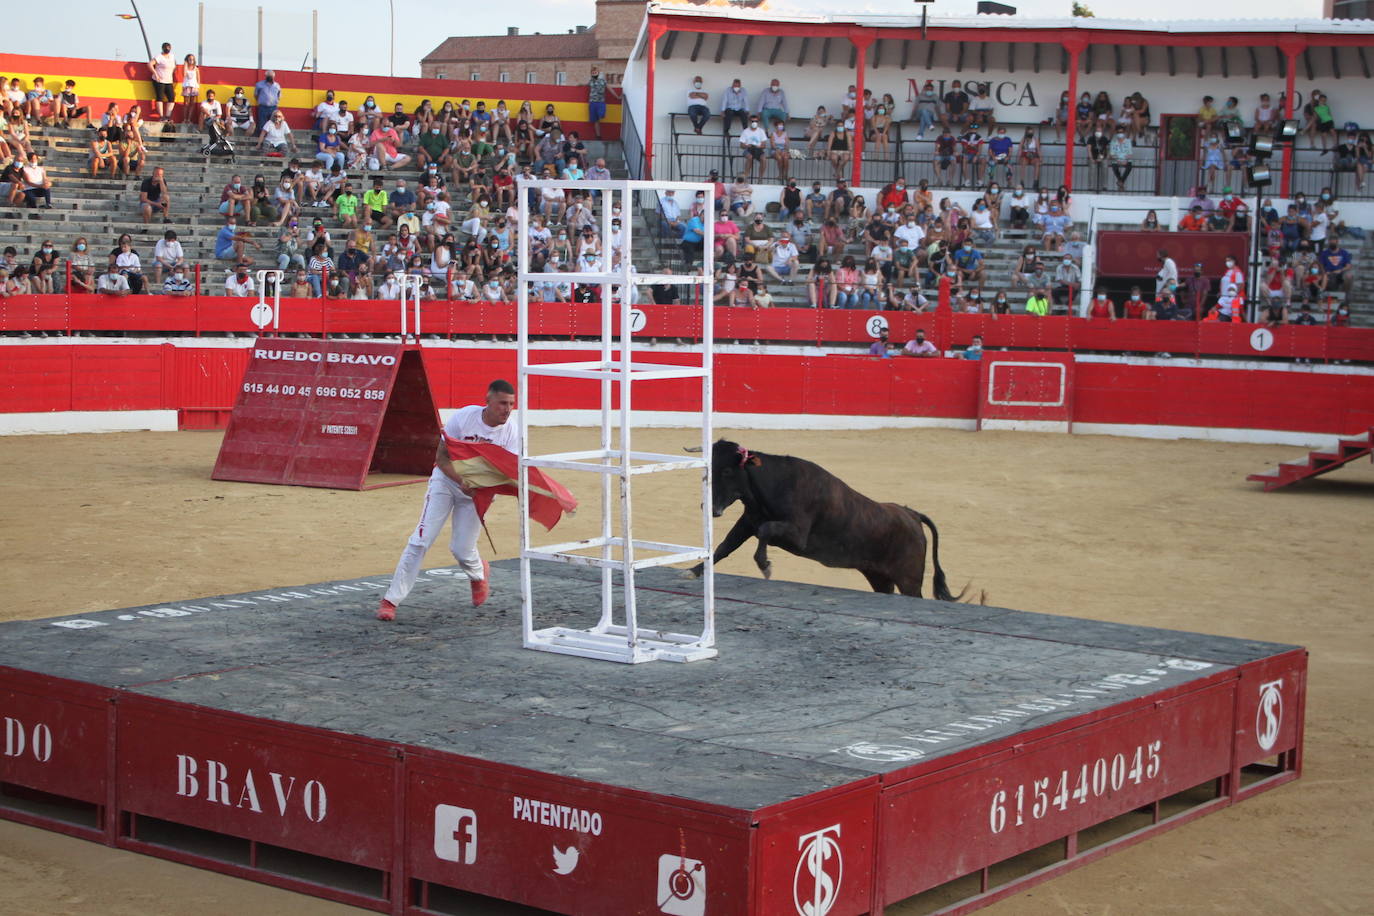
(694, 449)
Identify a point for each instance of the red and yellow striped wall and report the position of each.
(100, 82)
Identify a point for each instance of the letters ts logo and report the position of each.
(455, 834)
(1269, 715)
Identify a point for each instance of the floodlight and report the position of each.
(1288, 131)
(1261, 146)
(1258, 176)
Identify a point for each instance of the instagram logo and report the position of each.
(681, 886)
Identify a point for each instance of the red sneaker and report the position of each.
(481, 588)
(386, 610)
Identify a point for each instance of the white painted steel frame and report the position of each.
(277, 276)
(410, 283)
(608, 640)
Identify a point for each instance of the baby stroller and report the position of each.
(216, 143)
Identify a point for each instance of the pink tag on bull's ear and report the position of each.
(743, 455)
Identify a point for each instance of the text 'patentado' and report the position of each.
(565, 816)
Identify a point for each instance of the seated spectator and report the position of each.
(384, 144)
(741, 197)
(376, 205)
(758, 239)
(1037, 304)
(239, 283)
(1150, 223)
(235, 199)
(919, 347)
(816, 203)
(104, 154)
(288, 251)
(841, 201)
(112, 283)
(693, 240)
(820, 286)
(1305, 316)
(82, 270)
(300, 286)
(320, 262)
(37, 185)
(126, 259)
(599, 172)
(212, 112)
(276, 136)
(1053, 227)
(230, 242)
(42, 268)
(727, 236)
(1000, 304)
(1193, 221)
(698, 105)
(132, 153)
(329, 149)
(1135, 305)
(880, 347)
(178, 283)
(153, 197)
(1102, 306)
(974, 350)
(982, 223)
(763, 299)
(1067, 279)
(167, 255)
(68, 105)
(785, 259)
(1165, 304)
(970, 263)
(1336, 266)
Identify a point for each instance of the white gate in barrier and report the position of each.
(263, 314)
(411, 284)
(612, 639)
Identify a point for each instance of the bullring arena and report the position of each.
(1152, 699)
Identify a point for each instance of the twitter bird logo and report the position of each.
(564, 861)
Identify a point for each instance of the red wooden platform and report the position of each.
(847, 751)
(1318, 462)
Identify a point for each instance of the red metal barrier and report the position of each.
(218, 314)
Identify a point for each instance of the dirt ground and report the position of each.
(1161, 533)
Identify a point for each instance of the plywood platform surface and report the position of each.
(815, 687)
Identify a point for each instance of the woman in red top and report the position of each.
(727, 237)
(1101, 306)
(1135, 306)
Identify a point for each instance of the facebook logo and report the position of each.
(455, 834)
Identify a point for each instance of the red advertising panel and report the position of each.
(53, 735)
(1124, 253)
(295, 788)
(818, 858)
(1269, 707)
(1026, 390)
(1022, 797)
(570, 847)
(322, 413)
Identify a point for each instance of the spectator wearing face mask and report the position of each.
(1119, 154)
(752, 143)
(267, 94)
(1067, 279)
(734, 105)
(240, 282)
(772, 104)
(178, 282)
(1231, 298)
(1336, 266)
(1136, 307)
(698, 105)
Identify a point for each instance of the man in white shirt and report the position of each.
(671, 210)
(1168, 272)
(168, 254)
(112, 283)
(326, 112)
(785, 263)
(752, 141)
(239, 283)
(912, 232)
(343, 120)
(211, 110)
(448, 497)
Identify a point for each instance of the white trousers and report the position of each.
(442, 500)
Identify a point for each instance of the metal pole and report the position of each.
(147, 47)
(259, 38)
(392, 4)
(315, 42)
(200, 34)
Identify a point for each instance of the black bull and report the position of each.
(804, 509)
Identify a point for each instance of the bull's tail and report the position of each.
(942, 592)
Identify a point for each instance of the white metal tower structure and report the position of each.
(625, 639)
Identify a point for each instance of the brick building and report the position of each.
(563, 58)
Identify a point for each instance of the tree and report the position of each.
(1082, 10)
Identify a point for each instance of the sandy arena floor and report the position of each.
(1159, 533)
